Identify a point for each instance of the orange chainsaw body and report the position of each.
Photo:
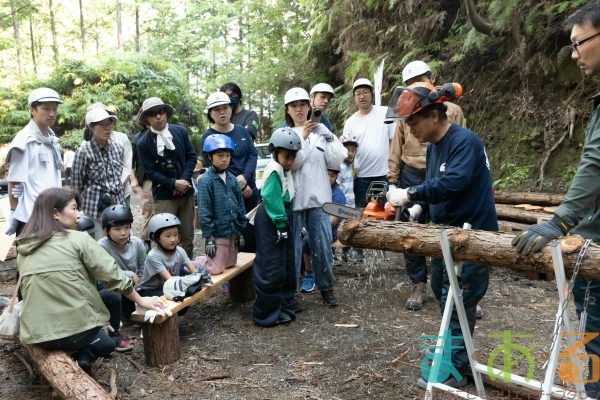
(374, 210)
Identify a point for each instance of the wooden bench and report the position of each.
(161, 338)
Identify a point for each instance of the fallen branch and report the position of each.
(113, 383)
(472, 246)
(65, 376)
(24, 362)
(214, 378)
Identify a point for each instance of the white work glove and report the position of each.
(12, 223)
(415, 212)
(17, 190)
(149, 315)
(392, 186)
(321, 130)
(398, 197)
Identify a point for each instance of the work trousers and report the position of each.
(147, 208)
(592, 326)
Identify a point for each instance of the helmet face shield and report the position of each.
(403, 103)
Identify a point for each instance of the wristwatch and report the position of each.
(412, 193)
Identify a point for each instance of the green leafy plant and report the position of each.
(515, 175)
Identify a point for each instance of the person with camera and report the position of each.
(168, 158)
(320, 148)
(98, 166)
(373, 135)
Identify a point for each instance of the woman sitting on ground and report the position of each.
(59, 268)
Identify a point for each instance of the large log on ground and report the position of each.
(65, 376)
(511, 213)
(473, 246)
(541, 199)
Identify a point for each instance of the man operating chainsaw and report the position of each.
(457, 190)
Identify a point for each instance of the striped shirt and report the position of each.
(98, 170)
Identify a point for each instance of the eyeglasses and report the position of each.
(575, 46)
(159, 111)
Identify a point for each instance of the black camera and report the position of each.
(103, 202)
(316, 115)
(167, 167)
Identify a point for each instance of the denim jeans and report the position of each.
(415, 265)
(474, 281)
(592, 325)
(318, 226)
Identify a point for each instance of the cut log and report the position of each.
(65, 376)
(509, 226)
(161, 342)
(542, 199)
(511, 213)
(472, 246)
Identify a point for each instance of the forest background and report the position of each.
(524, 95)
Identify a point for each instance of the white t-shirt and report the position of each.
(373, 142)
(32, 164)
(68, 158)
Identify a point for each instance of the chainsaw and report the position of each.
(375, 208)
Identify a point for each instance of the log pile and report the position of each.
(493, 249)
(516, 211)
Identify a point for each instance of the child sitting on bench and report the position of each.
(166, 259)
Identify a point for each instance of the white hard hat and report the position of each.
(217, 99)
(362, 82)
(295, 94)
(98, 114)
(414, 68)
(42, 95)
(323, 88)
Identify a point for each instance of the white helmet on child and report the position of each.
(286, 138)
(159, 222)
(349, 139)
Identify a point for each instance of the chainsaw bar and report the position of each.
(342, 211)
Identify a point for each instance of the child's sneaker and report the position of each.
(308, 283)
(122, 344)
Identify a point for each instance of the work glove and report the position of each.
(324, 132)
(415, 213)
(282, 237)
(12, 223)
(398, 197)
(537, 236)
(240, 241)
(17, 190)
(391, 186)
(210, 248)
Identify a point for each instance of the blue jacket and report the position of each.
(221, 211)
(245, 154)
(183, 158)
(458, 185)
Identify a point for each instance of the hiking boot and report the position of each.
(283, 319)
(415, 301)
(329, 298)
(308, 283)
(293, 305)
(478, 312)
(121, 344)
(422, 383)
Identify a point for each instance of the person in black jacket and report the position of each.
(168, 158)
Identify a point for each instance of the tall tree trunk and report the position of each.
(137, 29)
(81, 26)
(119, 25)
(54, 34)
(33, 58)
(17, 35)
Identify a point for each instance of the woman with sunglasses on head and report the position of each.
(54, 257)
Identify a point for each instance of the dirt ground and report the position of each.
(369, 347)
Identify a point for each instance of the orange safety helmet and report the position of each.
(407, 101)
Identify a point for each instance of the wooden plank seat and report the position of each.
(161, 337)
